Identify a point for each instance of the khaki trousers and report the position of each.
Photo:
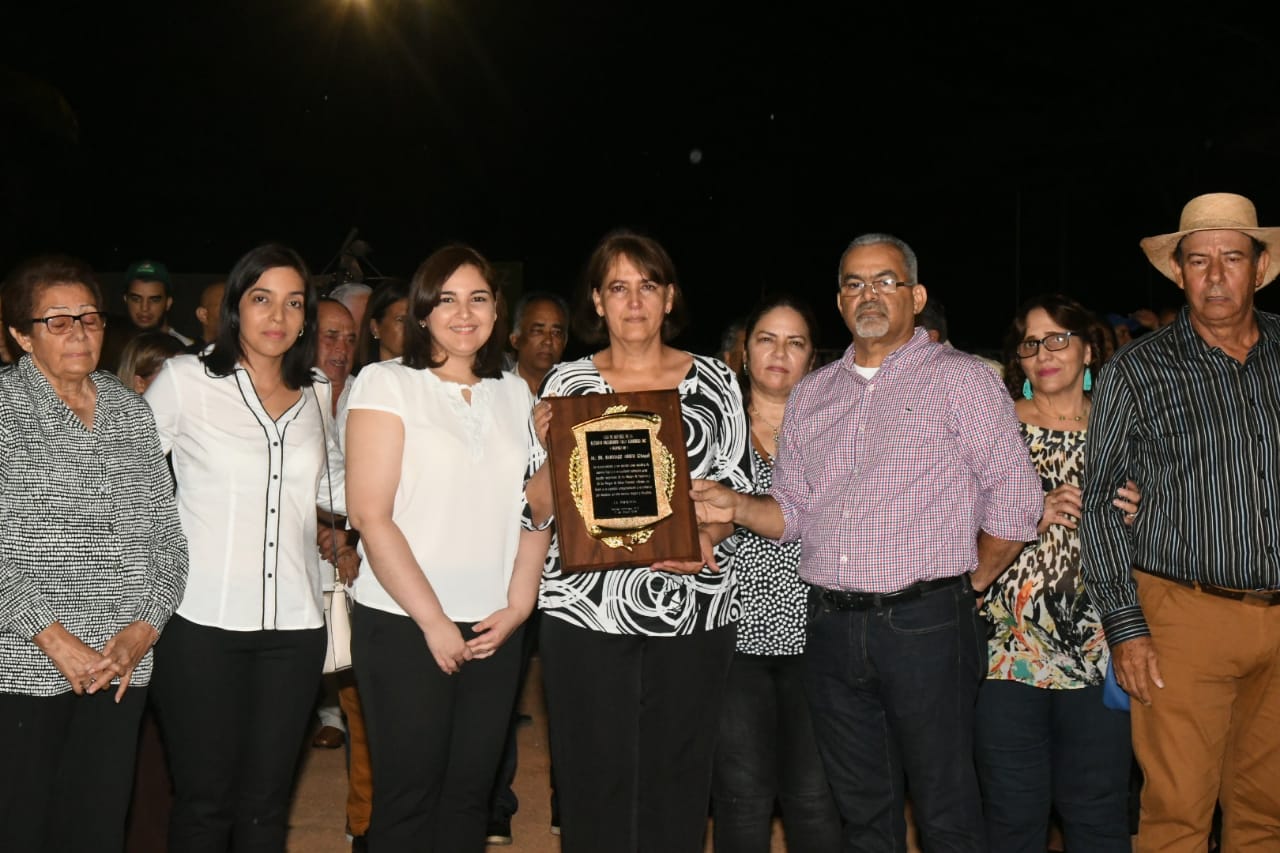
(359, 774)
(1213, 732)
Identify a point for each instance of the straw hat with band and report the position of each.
(1215, 212)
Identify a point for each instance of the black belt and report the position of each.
(839, 599)
(1256, 597)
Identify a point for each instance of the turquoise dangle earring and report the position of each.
(1026, 388)
(1088, 380)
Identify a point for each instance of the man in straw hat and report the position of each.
(1192, 413)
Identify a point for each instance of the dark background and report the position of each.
(1017, 154)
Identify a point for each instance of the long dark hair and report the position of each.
(368, 349)
(424, 296)
(298, 360)
(767, 304)
(1066, 312)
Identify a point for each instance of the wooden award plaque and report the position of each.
(620, 480)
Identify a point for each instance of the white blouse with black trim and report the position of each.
(248, 488)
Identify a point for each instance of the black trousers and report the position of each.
(435, 740)
(234, 708)
(633, 725)
(67, 770)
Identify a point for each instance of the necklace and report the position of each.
(1052, 416)
(755, 413)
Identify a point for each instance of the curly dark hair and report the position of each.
(1067, 312)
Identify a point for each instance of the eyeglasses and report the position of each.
(882, 286)
(60, 324)
(1052, 343)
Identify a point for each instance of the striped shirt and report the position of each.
(886, 481)
(91, 537)
(1200, 434)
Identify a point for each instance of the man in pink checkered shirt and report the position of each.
(901, 470)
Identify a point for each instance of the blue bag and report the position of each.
(1113, 695)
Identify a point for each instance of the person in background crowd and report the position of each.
(382, 335)
(254, 456)
(355, 295)
(340, 713)
(731, 343)
(142, 358)
(148, 299)
(92, 563)
(8, 349)
(541, 330)
(437, 444)
(1045, 741)
(208, 313)
(933, 319)
(1190, 596)
(336, 339)
(901, 470)
(767, 753)
(632, 744)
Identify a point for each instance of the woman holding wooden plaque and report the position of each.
(635, 658)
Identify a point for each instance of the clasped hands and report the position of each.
(88, 670)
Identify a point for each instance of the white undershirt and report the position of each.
(248, 488)
(461, 483)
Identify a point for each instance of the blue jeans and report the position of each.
(892, 692)
(1053, 749)
(766, 753)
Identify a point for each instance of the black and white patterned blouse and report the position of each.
(91, 537)
(638, 600)
(773, 596)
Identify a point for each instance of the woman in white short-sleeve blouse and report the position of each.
(437, 449)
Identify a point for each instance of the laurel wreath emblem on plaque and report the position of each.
(628, 532)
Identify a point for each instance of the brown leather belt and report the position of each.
(1256, 597)
(839, 599)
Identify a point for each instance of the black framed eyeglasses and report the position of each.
(60, 324)
(1053, 343)
(882, 286)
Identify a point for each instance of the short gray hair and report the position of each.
(877, 239)
(348, 289)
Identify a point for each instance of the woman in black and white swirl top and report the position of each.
(635, 659)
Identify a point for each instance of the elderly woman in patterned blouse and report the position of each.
(92, 564)
(635, 659)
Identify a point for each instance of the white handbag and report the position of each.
(337, 606)
(337, 621)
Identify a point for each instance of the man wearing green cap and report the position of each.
(148, 300)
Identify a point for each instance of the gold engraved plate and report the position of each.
(622, 476)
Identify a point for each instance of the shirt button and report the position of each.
(844, 558)
(275, 444)
(268, 574)
(845, 515)
(271, 544)
(273, 512)
(275, 476)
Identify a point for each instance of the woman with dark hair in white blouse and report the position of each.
(237, 670)
(438, 446)
(635, 659)
(92, 563)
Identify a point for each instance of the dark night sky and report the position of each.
(1016, 155)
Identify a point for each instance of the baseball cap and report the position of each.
(147, 271)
